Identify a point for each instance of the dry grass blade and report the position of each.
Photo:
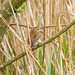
(55, 19)
(22, 43)
(7, 25)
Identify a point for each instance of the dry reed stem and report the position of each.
(23, 44)
(56, 9)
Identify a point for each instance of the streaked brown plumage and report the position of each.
(34, 37)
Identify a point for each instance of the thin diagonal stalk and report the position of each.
(39, 45)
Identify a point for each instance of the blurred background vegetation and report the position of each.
(50, 16)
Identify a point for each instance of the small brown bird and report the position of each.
(34, 37)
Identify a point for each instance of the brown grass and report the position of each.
(57, 13)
